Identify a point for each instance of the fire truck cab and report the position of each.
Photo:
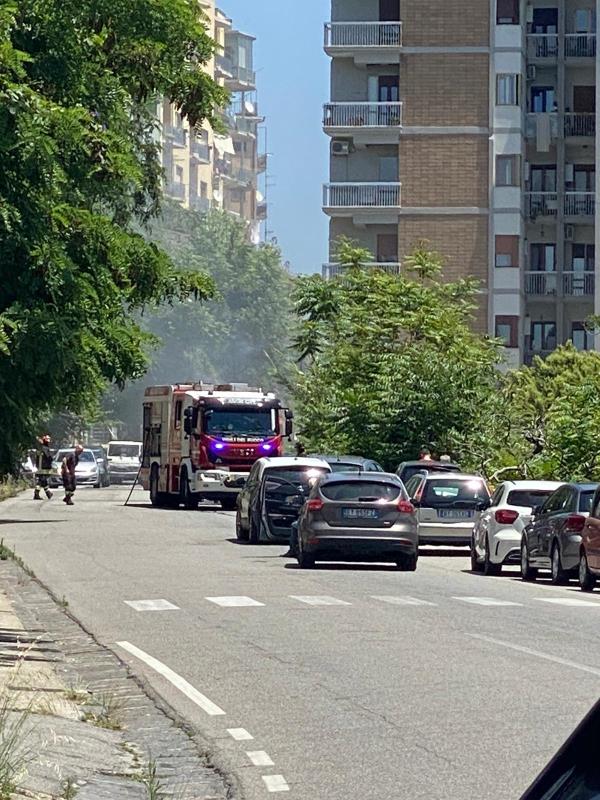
(201, 440)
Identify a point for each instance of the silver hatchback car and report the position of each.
(358, 517)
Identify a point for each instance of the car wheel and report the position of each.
(186, 498)
(587, 581)
(558, 575)
(229, 503)
(240, 534)
(527, 573)
(476, 566)
(407, 563)
(489, 568)
(306, 560)
(254, 530)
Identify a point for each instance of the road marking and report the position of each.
(275, 783)
(151, 605)
(568, 601)
(528, 651)
(178, 682)
(401, 600)
(319, 600)
(486, 601)
(260, 759)
(239, 734)
(234, 602)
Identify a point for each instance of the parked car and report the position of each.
(589, 553)
(552, 540)
(448, 505)
(102, 461)
(498, 531)
(409, 468)
(358, 517)
(273, 495)
(350, 463)
(87, 471)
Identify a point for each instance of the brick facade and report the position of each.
(451, 23)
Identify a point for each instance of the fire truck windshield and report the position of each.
(242, 422)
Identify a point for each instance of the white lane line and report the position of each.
(568, 601)
(486, 601)
(260, 759)
(401, 600)
(239, 734)
(528, 651)
(234, 602)
(319, 600)
(275, 783)
(178, 682)
(151, 605)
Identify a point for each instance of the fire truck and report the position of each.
(201, 440)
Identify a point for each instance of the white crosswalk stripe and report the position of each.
(568, 601)
(151, 605)
(275, 783)
(319, 600)
(234, 602)
(486, 601)
(401, 600)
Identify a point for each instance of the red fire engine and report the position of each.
(200, 440)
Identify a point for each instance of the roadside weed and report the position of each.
(108, 713)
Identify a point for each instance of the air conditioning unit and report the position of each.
(569, 233)
(531, 72)
(340, 147)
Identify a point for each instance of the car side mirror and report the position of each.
(188, 421)
(483, 505)
(535, 511)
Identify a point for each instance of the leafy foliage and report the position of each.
(79, 164)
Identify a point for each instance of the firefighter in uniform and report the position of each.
(69, 465)
(43, 463)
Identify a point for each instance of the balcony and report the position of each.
(541, 204)
(175, 190)
(542, 46)
(580, 45)
(580, 124)
(541, 283)
(200, 204)
(201, 152)
(580, 204)
(366, 42)
(333, 270)
(262, 163)
(342, 199)
(176, 135)
(579, 284)
(540, 124)
(351, 118)
(530, 354)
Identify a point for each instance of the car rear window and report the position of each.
(527, 498)
(585, 501)
(299, 476)
(448, 492)
(339, 466)
(361, 490)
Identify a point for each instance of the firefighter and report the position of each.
(43, 463)
(69, 465)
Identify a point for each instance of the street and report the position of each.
(346, 682)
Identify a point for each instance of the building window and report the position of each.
(507, 251)
(542, 257)
(507, 12)
(508, 169)
(178, 174)
(507, 329)
(543, 336)
(583, 258)
(507, 90)
(582, 340)
(543, 99)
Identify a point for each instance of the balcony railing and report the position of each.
(201, 151)
(579, 284)
(580, 124)
(537, 124)
(541, 283)
(362, 115)
(531, 353)
(176, 134)
(541, 204)
(333, 270)
(580, 45)
(363, 34)
(199, 203)
(176, 190)
(362, 195)
(542, 45)
(580, 204)
(243, 75)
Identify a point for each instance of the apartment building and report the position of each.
(204, 169)
(472, 124)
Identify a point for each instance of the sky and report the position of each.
(293, 83)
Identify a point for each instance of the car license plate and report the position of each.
(360, 513)
(453, 513)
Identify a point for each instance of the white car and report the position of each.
(86, 471)
(498, 532)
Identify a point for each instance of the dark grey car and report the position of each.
(351, 463)
(358, 517)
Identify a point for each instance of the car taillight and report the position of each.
(405, 507)
(315, 505)
(505, 516)
(575, 523)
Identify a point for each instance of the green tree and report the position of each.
(389, 363)
(79, 166)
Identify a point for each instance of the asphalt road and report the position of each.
(355, 683)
